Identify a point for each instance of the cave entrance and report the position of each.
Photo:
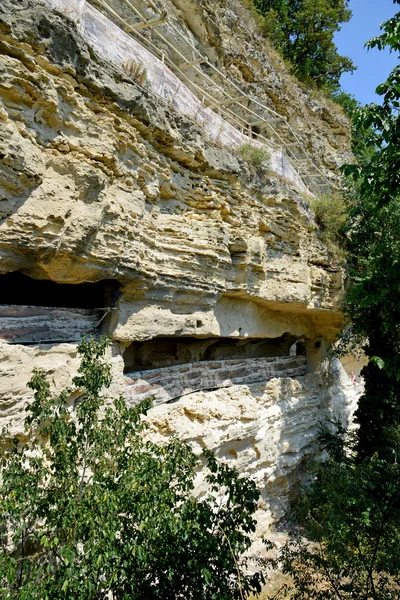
(19, 289)
(170, 351)
(38, 310)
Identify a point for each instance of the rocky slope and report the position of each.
(101, 182)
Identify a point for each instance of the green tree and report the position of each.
(91, 510)
(362, 138)
(303, 30)
(348, 546)
(373, 306)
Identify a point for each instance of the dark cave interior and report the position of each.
(19, 289)
(169, 351)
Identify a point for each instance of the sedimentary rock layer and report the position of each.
(164, 385)
(28, 324)
(100, 181)
(267, 430)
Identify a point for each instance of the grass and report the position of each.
(135, 71)
(324, 95)
(330, 213)
(259, 19)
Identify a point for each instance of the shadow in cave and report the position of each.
(171, 351)
(19, 289)
(36, 310)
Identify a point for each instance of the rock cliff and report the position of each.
(228, 32)
(116, 212)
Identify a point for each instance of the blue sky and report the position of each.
(373, 65)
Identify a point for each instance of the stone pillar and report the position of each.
(316, 352)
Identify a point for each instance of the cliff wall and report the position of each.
(117, 213)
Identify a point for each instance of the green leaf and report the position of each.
(114, 512)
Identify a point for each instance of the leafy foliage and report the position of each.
(91, 510)
(303, 30)
(363, 138)
(349, 103)
(348, 546)
(374, 244)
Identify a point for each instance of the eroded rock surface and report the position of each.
(228, 32)
(266, 429)
(167, 384)
(100, 181)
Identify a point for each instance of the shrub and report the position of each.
(348, 543)
(91, 510)
(330, 215)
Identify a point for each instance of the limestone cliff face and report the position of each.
(101, 182)
(229, 34)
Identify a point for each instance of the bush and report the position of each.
(330, 215)
(348, 543)
(90, 510)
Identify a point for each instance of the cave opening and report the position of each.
(164, 352)
(41, 311)
(298, 348)
(21, 290)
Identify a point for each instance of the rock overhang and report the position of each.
(98, 182)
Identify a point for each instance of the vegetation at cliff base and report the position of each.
(91, 509)
(347, 542)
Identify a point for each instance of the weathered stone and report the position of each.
(27, 324)
(100, 180)
(167, 384)
(58, 361)
(100, 209)
(266, 430)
